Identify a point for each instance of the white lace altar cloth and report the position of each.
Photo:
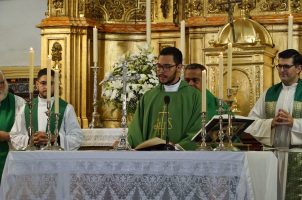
(139, 175)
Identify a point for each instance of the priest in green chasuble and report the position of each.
(278, 113)
(193, 74)
(184, 108)
(11, 121)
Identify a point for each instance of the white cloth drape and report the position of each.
(139, 175)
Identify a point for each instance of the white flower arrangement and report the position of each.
(140, 65)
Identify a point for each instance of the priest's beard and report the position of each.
(166, 80)
(4, 92)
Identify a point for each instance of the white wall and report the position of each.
(18, 31)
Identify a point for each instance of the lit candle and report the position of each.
(95, 45)
(56, 92)
(148, 22)
(220, 89)
(290, 32)
(48, 77)
(31, 70)
(204, 91)
(229, 79)
(183, 39)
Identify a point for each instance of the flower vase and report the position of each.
(111, 115)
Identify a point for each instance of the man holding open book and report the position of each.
(170, 111)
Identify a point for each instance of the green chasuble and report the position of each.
(272, 96)
(62, 107)
(212, 105)
(184, 116)
(7, 119)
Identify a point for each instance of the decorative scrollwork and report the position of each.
(113, 10)
(247, 5)
(58, 4)
(295, 6)
(165, 8)
(138, 14)
(215, 6)
(274, 5)
(175, 11)
(56, 52)
(117, 7)
(194, 8)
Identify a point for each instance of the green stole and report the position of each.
(62, 107)
(7, 119)
(272, 96)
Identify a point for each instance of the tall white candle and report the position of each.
(230, 62)
(220, 83)
(148, 21)
(204, 91)
(48, 77)
(31, 70)
(183, 38)
(290, 32)
(95, 45)
(56, 92)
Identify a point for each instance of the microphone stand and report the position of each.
(167, 123)
(168, 146)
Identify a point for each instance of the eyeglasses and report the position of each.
(45, 82)
(164, 67)
(285, 67)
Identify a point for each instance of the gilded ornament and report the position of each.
(58, 4)
(164, 8)
(247, 5)
(175, 12)
(117, 7)
(215, 7)
(56, 52)
(138, 14)
(274, 5)
(194, 8)
(295, 6)
(113, 10)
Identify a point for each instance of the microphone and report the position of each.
(167, 101)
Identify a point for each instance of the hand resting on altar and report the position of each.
(40, 138)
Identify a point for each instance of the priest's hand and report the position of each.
(283, 118)
(4, 136)
(40, 137)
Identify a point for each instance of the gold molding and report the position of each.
(15, 72)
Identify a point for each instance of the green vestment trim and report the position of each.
(272, 96)
(62, 107)
(7, 119)
(184, 116)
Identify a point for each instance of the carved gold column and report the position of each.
(67, 36)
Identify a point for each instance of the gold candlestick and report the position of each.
(203, 132)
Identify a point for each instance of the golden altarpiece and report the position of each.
(66, 32)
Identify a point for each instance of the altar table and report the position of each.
(139, 175)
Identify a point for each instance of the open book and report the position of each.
(154, 144)
(239, 123)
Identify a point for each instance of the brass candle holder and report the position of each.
(203, 133)
(30, 146)
(221, 133)
(230, 101)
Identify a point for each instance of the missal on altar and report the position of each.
(154, 144)
(239, 123)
